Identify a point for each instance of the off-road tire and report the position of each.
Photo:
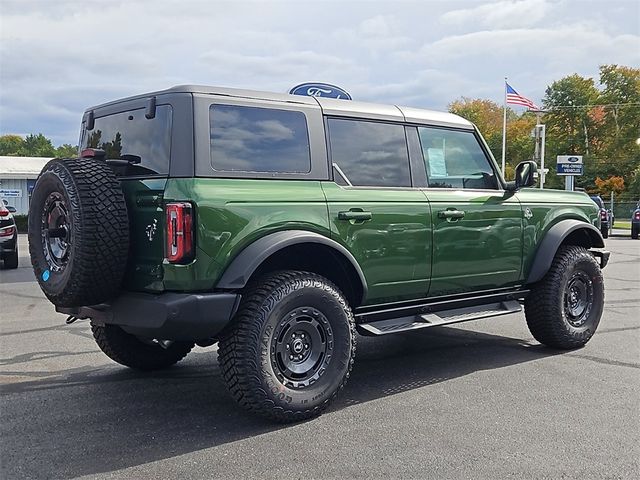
(132, 352)
(547, 306)
(96, 242)
(247, 354)
(11, 260)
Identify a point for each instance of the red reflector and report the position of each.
(7, 231)
(180, 238)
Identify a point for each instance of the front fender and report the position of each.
(552, 241)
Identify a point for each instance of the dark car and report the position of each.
(635, 222)
(8, 238)
(605, 216)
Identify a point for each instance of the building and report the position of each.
(17, 179)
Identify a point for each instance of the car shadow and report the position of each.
(96, 420)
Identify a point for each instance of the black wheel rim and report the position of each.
(301, 347)
(56, 232)
(578, 299)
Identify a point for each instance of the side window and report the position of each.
(130, 133)
(369, 153)
(454, 159)
(253, 139)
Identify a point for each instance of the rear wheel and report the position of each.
(563, 309)
(605, 232)
(290, 348)
(634, 232)
(133, 352)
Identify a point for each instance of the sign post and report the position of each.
(569, 166)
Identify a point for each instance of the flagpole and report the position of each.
(504, 127)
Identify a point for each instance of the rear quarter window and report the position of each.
(131, 133)
(256, 139)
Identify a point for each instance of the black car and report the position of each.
(605, 216)
(8, 238)
(635, 222)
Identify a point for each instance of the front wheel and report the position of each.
(290, 348)
(563, 309)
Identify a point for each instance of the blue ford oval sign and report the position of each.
(313, 89)
(573, 159)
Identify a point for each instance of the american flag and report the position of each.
(515, 98)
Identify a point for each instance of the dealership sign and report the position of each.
(313, 89)
(11, 192)
(570, 165)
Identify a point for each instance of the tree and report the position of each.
(11, 145)
(37, 146)
(612, 184)
(34, 146)
(66, 151)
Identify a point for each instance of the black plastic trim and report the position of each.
(167, 316)
(436, 304)
(242, 267)
(553, 239)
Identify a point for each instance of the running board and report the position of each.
(444, 317)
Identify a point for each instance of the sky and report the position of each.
(59, 57)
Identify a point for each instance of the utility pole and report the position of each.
(539, 133)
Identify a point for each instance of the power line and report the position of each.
(557, 107)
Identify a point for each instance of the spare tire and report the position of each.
(78, 232)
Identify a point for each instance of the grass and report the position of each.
(622, 225)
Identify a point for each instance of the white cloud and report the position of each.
(58, 58)
(502, 14)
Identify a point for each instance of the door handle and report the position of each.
(451, 214)
(354, 215)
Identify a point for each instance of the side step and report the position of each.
(444, 317)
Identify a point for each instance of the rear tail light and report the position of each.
(603, 214)
(180, 237)
(637, 215)
(7, 231)
(4, 212)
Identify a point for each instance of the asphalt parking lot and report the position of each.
(479, 400)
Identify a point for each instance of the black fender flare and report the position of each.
(241, 268)
(552, 241)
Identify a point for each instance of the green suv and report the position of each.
(278, 226)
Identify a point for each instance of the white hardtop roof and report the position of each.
(329, 106)
(21, 167)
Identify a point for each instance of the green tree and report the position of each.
(11, 145)
(66, 151)
(38, 146)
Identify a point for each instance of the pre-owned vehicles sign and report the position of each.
(570, 165)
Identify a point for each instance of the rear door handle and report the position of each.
(451, 214)
(354, 215)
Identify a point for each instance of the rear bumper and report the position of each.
(167, 316)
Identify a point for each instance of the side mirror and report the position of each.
(524, 176)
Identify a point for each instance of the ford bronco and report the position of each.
(278, 226)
